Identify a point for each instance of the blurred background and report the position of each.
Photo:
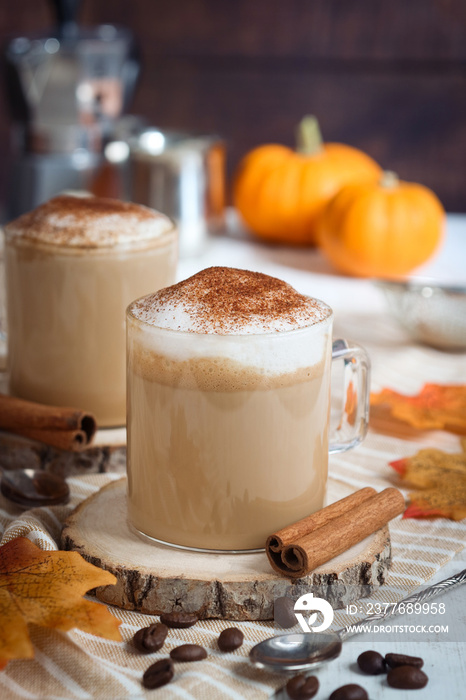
(386, 77)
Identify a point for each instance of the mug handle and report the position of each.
(354, 421)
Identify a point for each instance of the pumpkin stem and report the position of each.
(308, 136)
(389, 179)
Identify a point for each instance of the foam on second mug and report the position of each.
(89, 222)
(219, 306)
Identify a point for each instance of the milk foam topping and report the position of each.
(218, 306)
(89, 222)
(227, 301)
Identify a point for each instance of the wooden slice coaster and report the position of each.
(153, 578)
(107, 453)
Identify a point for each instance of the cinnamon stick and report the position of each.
(295, 531)
(315, 547)
(65, 428)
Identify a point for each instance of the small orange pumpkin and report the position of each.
(383, 229)
(280, 193)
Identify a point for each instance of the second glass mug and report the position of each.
(66, 317)
(221, 455)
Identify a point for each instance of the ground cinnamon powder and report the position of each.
(68, 220)
(228, 300)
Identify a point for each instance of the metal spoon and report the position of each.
(299, 652)
(33, 487)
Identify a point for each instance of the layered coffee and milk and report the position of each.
(228, 401)
(72, 267)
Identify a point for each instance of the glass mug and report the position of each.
(222, 454)
(66, 297)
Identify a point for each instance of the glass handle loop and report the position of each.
(352, 427)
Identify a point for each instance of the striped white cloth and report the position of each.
(79, 665)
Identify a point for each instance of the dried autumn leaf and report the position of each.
(46, 588)
(436, 407)
(440, 482)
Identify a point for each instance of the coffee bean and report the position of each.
(230, 639)
(158, 674)
(394, 660)
(283, 612)
(179, 619)
(188, 652)
(371, 662)
(302, 688)
(407, 678)
(150, 638)
(349, 692)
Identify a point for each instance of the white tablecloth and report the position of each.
(82, 666)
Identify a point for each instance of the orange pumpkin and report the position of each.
(382, 229)
(280, 193)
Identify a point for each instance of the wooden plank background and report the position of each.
(387, 77)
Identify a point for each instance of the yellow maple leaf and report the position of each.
(46, 588)
(439, 479)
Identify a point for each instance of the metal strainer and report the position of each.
(433, 313)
